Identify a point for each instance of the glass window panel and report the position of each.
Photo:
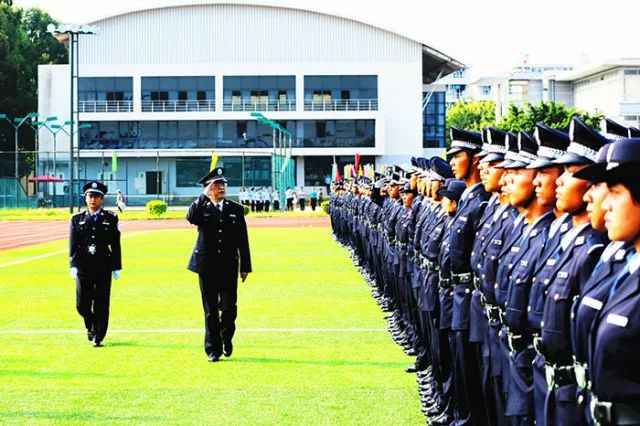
(104, 84)
(349, 82)
(87, 84)
(268, 82)
(123, 84)
(249, 83)
(168, 83)
(331, 82)
(190, 170)
(312, 82)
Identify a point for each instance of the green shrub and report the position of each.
(325, 206)
(156, 207)
(247, 210)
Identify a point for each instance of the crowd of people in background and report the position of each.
(264, 199)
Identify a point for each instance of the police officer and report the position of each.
(571, 265)
(464, 164)
(613, 359)
(221, 250)
(94, 255)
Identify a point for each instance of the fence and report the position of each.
(44, 176)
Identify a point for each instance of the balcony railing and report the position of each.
(342, 105)
(241, 106)
(105, 106)
(101, 143)
(205, 105)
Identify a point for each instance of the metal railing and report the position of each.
(242, 106)
(342, 105)
(105, 106)
(205, 105)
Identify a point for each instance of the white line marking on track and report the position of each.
(201, 330)
(55, 253)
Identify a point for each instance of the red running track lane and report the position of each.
(15, 234)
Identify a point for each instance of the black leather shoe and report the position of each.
(97, 343)
(411, 369)
(227, 348)
(213, 358)
(443, 420)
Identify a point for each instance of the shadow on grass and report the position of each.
(55, 374)
(331, 363)
(76, 415)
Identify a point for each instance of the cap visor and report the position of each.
(541, 163)
(94, 191)
(454, 150)
(503, 165)
(593, 173)
(494, 156)
(482, 154)
(571, 158)
(516, 165)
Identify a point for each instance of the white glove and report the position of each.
(116, 274)
(73, 273)
(207, 190)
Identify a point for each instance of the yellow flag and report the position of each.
(214, 160)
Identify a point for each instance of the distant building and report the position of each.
(165, 86)
(611, 87)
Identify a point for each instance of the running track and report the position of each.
(15, 234)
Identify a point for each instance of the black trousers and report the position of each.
(289, 204)
(276, 205)
(314, 202)
(301, 202)
(93, 295)
(266, 206)
(219, 300)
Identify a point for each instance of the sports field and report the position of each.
(311, 345)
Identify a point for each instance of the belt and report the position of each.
(465, 278)
(609, 413)
(519, 342)
(93, 249)
(476, 282)
(581, 370)
(445, 282)
(559, 376)
(537, 344)
(432, 266)
(494, 313)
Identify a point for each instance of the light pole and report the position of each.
(69, 34)
(71, 133)
(20, 121)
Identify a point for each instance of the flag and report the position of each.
(357, 164)
(337, 177)
(334, 171)
(285, 163)
(214, 160)
(360, 172)
(114, 162)
(372, 172)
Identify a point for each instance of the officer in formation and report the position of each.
(511, 273)
(94, 256)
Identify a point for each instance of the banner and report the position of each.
(114, 162)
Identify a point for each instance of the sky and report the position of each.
(491, 36)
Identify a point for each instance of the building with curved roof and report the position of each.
(164, 87)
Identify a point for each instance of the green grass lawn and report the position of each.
(302, 279)
(138, 214)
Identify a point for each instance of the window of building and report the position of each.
(178, 88)
(350, 92)
(433, 128)
(259, 89)
(105, 94)
(190, 170)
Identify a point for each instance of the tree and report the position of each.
(24, 44)
(553, 114)
(472, 115)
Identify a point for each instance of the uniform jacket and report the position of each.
(222, 237)
(95, 245)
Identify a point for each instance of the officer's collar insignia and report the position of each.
(580, 240)
(564, 227)
(534, 232)
(504, 215)
(94, 185)
(620, 254)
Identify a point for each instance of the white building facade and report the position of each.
(164, 88)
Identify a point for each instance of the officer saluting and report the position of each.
(221, 249)
(94, 253)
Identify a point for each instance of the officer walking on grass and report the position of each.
(222, 249)
(94, 254)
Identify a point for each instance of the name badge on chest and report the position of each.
(617, 320)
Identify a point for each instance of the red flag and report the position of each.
(357, 165)
(337, 178)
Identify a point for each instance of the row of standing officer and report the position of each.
(497, 268)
